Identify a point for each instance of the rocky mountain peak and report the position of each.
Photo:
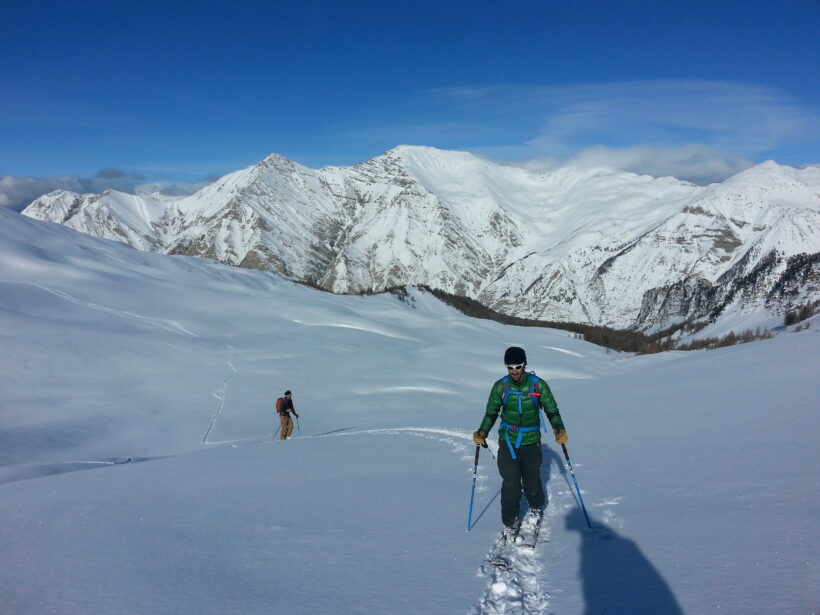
(565, 244)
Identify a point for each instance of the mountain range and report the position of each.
(568, 244)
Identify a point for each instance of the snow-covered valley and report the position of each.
(140, 474)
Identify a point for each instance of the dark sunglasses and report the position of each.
(515, 367)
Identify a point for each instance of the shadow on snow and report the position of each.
(617, 578)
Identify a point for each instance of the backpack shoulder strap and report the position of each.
(536, 396)
(506, 388)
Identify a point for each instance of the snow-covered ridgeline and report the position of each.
(571, 244)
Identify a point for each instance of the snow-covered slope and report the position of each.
(573, 244)
(158, 374)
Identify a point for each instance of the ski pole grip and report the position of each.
(566, 454)
(477, 450)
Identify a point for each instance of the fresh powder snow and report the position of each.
(140, 474)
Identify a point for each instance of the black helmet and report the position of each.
(515, 355)
(287, 393)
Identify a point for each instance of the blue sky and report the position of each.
(179, 92)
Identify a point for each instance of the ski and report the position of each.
(530, 529)
(525, 537)
(501, 562)
(498, 556)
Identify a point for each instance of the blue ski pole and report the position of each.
(580, 499)
(472, 494)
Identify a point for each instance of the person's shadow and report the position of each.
(617, 577)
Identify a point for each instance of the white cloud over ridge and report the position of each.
(17, 192)
(696, 163)
(702, 131)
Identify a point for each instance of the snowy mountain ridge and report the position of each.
(570, 244)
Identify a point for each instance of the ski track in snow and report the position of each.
(460, 440)
(520, 588)
(27, 471)
(455, 436)
(524, 586)
(572, 353)
(167, 325)
(411, 389)
(220, 393)
(516, 589)
(356, 327)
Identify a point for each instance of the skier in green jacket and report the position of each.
(518, 397)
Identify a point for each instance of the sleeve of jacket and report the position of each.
(549, 405)
(492, 409)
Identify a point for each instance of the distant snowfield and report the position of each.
(139, 473)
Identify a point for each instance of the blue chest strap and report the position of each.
(516, 428)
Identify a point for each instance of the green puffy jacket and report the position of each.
(528, 417)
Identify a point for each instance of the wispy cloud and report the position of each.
(698, 130)
(18, 192)
(696, 163)
(745, 119)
